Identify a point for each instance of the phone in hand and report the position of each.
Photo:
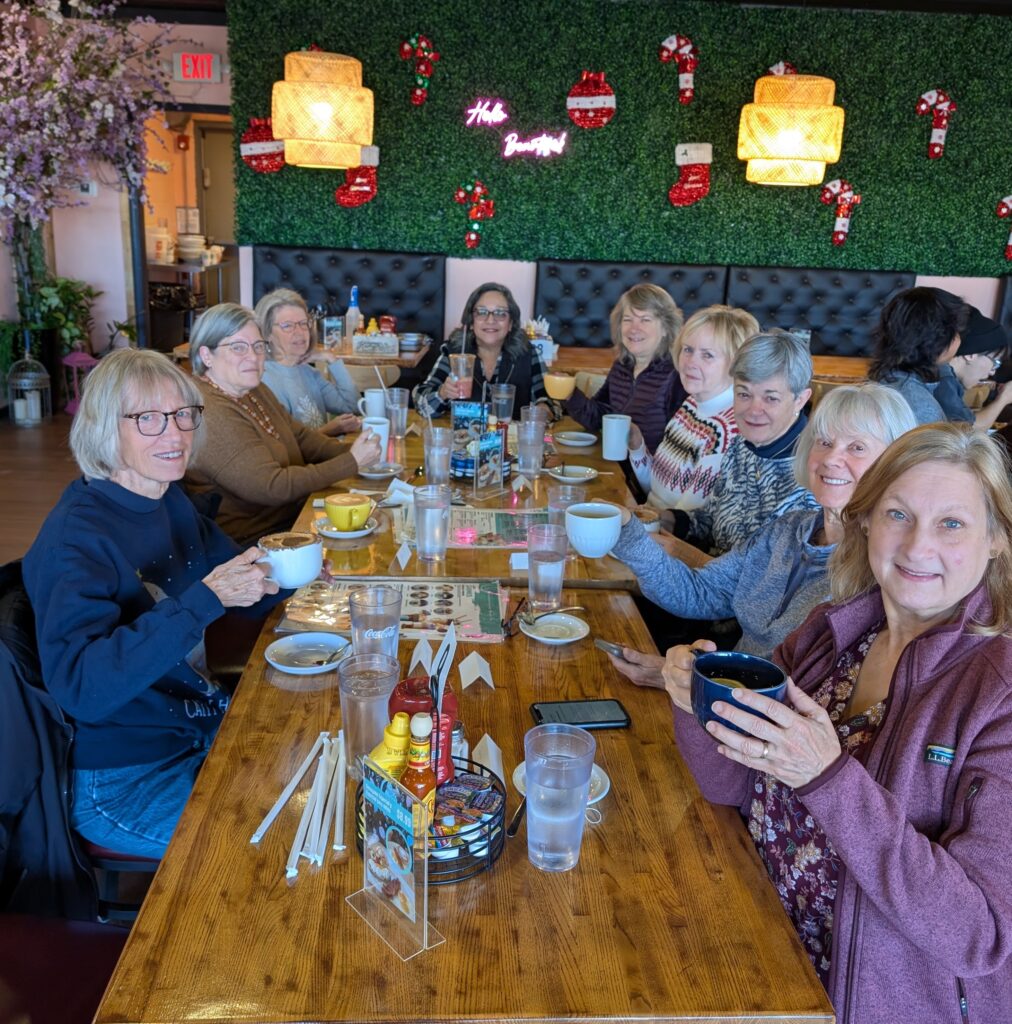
(615, 650)
(588, 714)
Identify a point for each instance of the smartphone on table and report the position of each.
(588, 714)
(615, 650)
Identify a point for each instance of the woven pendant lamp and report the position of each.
(791, 131)
(321, 110)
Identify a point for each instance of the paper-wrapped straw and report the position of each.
(341, 782)
(319, 797)
(292, 867)
(287, 792)
(320, 845)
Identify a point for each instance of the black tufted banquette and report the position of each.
(409, 286)
(577, 297)
(839, 307)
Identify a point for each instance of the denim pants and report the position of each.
(134, 809)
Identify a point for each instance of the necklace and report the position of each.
(253, 408)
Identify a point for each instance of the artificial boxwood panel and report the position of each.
(605, 198)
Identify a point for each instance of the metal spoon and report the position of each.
(531, 619)
(518, 816)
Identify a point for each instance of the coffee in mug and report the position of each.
(348, 511)
(593, 527)
(295, 559)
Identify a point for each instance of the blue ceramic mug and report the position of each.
(741, 670)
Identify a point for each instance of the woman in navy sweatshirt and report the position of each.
(124, 577)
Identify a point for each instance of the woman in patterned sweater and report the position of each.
(681, 472)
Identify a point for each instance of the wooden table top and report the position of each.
(406, 360)
(662, 919)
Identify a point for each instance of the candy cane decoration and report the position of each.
(842, 193)
(783, 67)
(680, 50)
(942, 107)
(1004, 209)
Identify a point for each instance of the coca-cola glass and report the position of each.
(375, 620)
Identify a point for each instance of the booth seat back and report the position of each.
(409, 286)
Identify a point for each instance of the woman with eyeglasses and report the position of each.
(124, 577)
(327, 404)
(261, 462)
(492, 332)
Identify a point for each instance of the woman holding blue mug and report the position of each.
(879, 796)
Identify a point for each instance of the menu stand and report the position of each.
(394, 898)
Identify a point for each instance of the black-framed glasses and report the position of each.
(151, 422)
(289, 325)
(241, 348)
(481, 313)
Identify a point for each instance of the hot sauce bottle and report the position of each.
(419, 779)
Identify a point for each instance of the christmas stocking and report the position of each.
(359, 182)
(693, 160)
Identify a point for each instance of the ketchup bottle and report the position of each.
(412, 696)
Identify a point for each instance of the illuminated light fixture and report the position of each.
(321, 110)
(791, 131)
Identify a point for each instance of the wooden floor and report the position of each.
(35, 466)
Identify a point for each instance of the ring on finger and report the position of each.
(765, 750)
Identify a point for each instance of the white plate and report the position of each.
(325, 528)
(599, 782)
(381, 471)
(574, 438)
(573, 474)
(557, 628)
(297, 654)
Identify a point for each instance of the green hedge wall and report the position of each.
(606, 197)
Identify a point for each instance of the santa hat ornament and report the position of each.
(693, 160)
(1004, 210)
(842, 193)
(680, 51)
(942, 107)
(591, 102)
(259, 150)
(359, 185)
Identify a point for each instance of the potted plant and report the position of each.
(65, 307)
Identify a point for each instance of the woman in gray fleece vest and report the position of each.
(771, 581)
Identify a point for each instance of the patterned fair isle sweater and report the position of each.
(682, 471)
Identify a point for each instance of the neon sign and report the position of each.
(486, 112)
(542, 145)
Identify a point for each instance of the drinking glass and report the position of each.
(397, 411)
(530, 447)
(375, 620)
(438, 442)
(560, 497)
(546, 566)
(432, 521)
(559, 760)
(503, 397)
(366, 682)
(535, 412)
(461, 370)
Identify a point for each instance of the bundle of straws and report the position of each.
(324, 806)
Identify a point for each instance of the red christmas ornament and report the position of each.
(680, 50)
(420, 47)
(693, 160)
(783, 67)
(419, 96)
(1004, 209)
(484, 209)
(359, 185)
(842, 193)
(942, 107)
(591, 102)
(480, 208)
(259, 149)
(471, 239)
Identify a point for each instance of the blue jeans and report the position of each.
(134, 809)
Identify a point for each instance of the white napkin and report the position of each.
(399, 493)
(421, 655)
(486, 752)
(473, 667)
(519, 560)
(403, 555)
(444, 657)
(413, 428)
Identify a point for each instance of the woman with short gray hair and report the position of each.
(124, 577)
(263, 463)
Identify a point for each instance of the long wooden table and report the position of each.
(668, 916)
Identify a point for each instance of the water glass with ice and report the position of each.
(530, 447)
(503, 398)
(397, 411)
(375, 620)
(366, 682)
(535, 412)
(438, 442)
(432, 521)
(559, 759)
(546, 566)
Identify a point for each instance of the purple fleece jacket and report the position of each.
(923, 916)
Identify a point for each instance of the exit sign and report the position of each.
(196, 67)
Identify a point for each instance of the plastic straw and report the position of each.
(342, 785)
(383, 383)
(287, 792)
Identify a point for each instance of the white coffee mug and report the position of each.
(295, 559)
(615, 436)
(593, 527)
(373, 403)
(380, 426)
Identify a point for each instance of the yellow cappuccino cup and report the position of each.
(348, 511)
(559, 385)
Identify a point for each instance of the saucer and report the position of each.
(556, 629)
(325, 528)
(599, 782)
(300, 653)
(381, 471)
(574, 438)
(573, 474)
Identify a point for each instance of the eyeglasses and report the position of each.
(481, 313)
(995, 363)
(152, 423)
(241, 348)
(289, 325)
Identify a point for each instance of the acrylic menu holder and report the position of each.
(488, 465)
(394, 898)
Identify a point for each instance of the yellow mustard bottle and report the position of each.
(391, 754)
